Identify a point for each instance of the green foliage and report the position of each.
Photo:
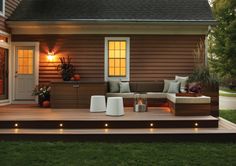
(42, 91)
(222, 39)
(202, 75)
(66, 68)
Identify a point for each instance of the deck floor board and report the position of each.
(18, 112)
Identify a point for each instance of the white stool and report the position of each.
(115, 106)
(97, 104)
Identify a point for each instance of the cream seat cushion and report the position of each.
(188, 100)
(158, 95)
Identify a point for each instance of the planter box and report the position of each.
(189, 94)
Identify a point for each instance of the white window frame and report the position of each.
(2, 13)
(127, 77)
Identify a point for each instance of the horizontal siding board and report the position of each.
(10, 6)
(152, 57)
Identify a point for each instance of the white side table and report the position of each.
(115, 106)
(97, 104)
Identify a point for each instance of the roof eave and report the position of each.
(110, 21)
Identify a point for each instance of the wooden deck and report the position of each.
(34, 117)
(225, 132)
(158, 123)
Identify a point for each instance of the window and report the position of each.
(3, 73)
(25, 61)
(117, 58)
(2, 7)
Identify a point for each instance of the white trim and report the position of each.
(23, 102)
(4, 44)
(4, 33)
(3, 8)
(36, 68)
(106, 77)
(4, 102)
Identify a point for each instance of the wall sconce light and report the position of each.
(50, 56)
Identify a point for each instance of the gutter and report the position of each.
(12, 23)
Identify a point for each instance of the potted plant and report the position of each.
(66, 68)
(201, 79)
(43, 93)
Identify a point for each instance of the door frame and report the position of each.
(13, 62)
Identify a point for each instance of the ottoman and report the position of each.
(97, 104)
(115, 106)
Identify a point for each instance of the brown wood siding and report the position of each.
(152, 57)
(10, 6)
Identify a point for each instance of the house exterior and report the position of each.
(135, 40)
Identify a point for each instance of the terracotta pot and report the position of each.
(46, 104)
(77, 77)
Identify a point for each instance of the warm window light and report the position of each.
(16, 124)
(1, 40)
(51, 56)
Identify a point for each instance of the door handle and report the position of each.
(16, 74)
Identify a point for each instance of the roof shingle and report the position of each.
(113, 10)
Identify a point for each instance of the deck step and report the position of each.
(129, 134)
(101, 124)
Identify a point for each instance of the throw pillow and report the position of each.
(114, 86)
(183, 83)
(174, 87)
(124, 87)
(167, 84)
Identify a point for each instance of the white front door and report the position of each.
(24, 72)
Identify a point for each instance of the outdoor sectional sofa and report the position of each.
(179, 105)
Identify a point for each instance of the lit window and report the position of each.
(117, 59)
(2, 7)
(25, 61)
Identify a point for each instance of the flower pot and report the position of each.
(77, 77)
(46, 104)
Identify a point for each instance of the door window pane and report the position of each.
(25, 61)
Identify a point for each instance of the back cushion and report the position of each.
(132, 86)
(156, 86)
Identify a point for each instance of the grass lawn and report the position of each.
(105, 154)
(229, 115)
(222, 93)
(143, 154)
(227, 92)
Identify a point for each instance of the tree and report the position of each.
(222, 39)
